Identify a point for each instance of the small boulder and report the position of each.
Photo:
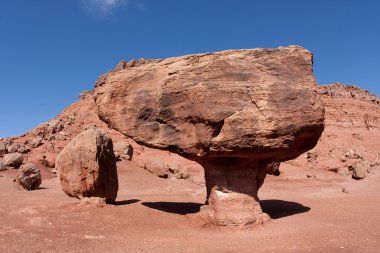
(179, 171)
(13, 159)
(23, 149)
(29, 176)
(55, 126)
(3, 149)
(86, 167)
(156, 166)
(3, 167)
(124, 149)
(36, 142)
(343, 171)
(273, 168)
(13, 148)
(352, 154)
(359, 170)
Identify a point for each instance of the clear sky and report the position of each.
(52, 50)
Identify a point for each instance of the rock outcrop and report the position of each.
(234, 112)
(29, 176)
(87, 166)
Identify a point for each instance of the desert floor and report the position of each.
(320, 213)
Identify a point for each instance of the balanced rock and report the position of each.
(235, 112)
(29, 176)
(13, 159)
(87, 166)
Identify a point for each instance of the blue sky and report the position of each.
(52, 50)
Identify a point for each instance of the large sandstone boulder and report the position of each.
(29, 176)
(235, 112)
(87, 166)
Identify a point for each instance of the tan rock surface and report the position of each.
(87, 166)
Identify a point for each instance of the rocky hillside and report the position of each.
(352, 131)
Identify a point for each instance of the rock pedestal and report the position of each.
(232, 188)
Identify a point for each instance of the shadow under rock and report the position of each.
(125, 202)
(277, 209)
(181, 208)
(42, 188)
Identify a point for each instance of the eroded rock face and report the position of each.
(235, 112)
(87, 166)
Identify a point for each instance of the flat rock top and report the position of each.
(260, 103)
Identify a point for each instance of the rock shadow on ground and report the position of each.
(125, 202)
(277, 209)
(181, 208)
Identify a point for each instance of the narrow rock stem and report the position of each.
(232, 187)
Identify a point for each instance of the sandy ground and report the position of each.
(325, 213)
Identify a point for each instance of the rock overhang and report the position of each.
(258, 104)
